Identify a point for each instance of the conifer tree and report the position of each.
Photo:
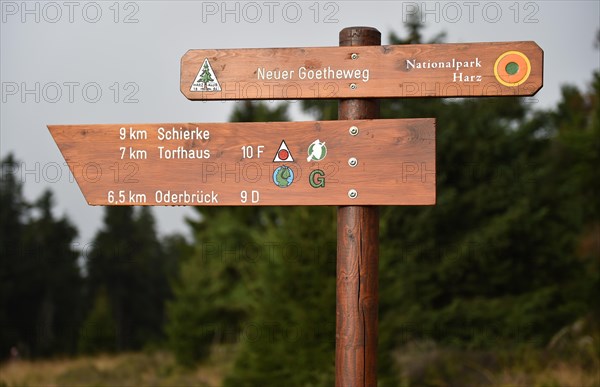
(40, 282)
(217, 288)
(129, 263)
(205, 74)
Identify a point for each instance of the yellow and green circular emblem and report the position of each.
(512, 68)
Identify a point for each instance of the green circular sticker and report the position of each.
(316, 151)
(512, 68)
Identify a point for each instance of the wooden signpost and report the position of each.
(421, 70)
(356, 163)
(361, 162)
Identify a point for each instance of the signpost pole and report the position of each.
(357, 296)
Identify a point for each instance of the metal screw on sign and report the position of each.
(353, 86)
(354, 56)
(352, 194)
(353, 162)
(353, 130)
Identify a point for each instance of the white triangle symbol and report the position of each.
(283, 153)
(206, 80)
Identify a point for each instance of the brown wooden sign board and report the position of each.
(400, 71)
(362, 162)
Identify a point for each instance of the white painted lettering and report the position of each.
(198, 197)
(183, 134)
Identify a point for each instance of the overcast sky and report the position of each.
(83, 62)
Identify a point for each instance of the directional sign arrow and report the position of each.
(363, 162)
(421, 70)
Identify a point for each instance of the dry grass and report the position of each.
(129, 369)
(570, 375)
(422, 365)
(425, 363)
(36, 373)
(561, 374)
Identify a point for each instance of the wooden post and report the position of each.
(357, 296)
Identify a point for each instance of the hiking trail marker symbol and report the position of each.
(206, 80)
(283, 154)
